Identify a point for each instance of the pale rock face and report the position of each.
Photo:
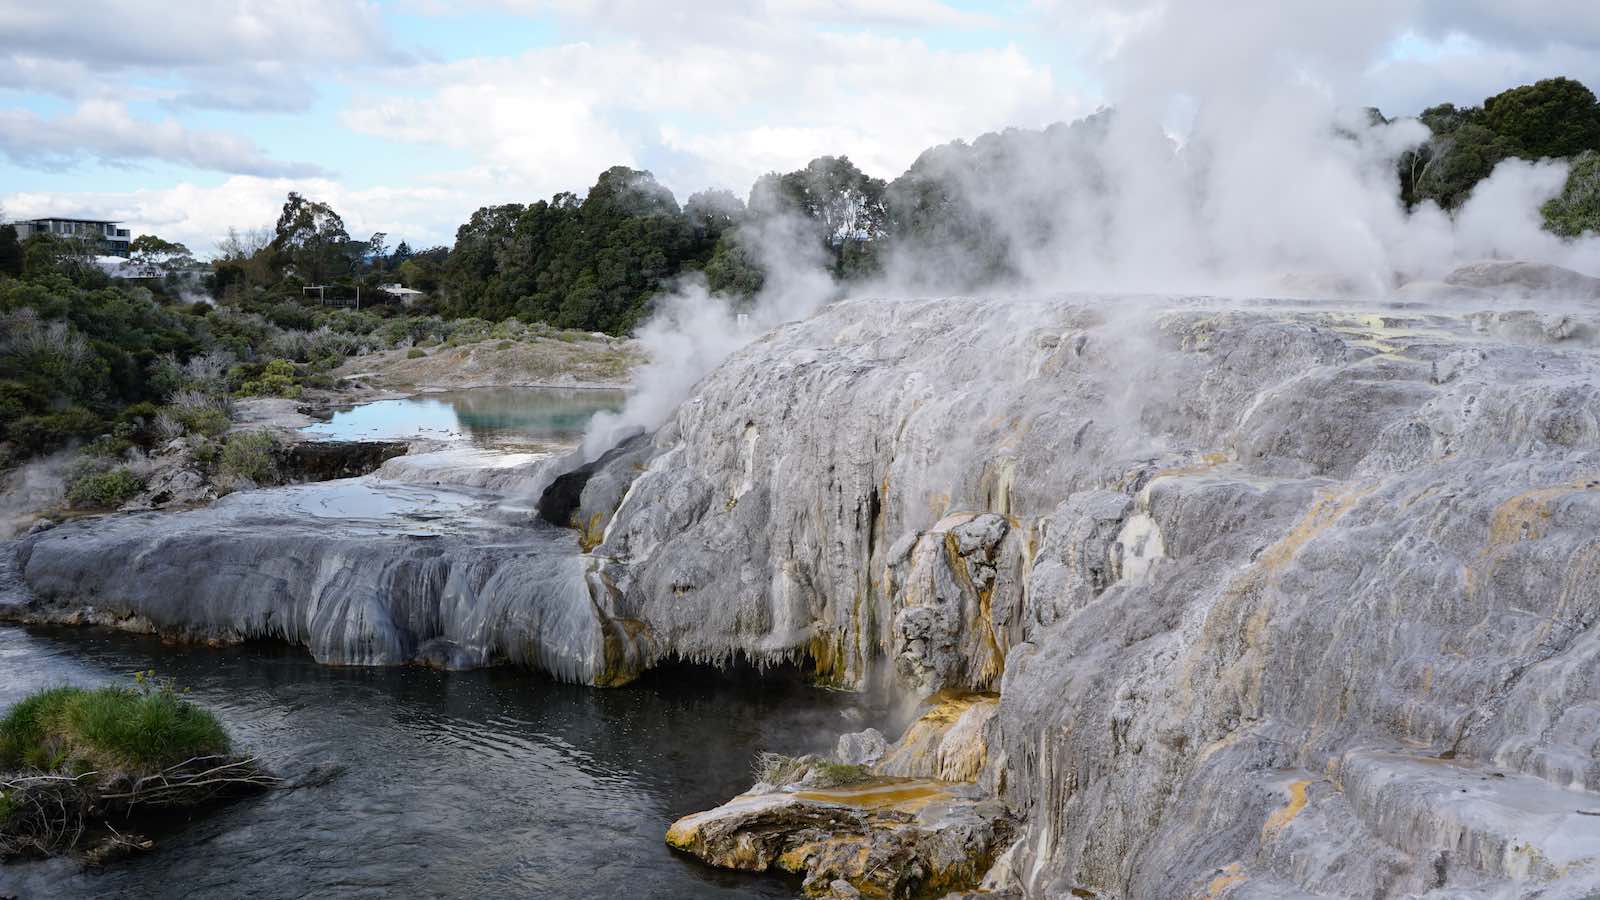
(1280, 599)
(861, 748)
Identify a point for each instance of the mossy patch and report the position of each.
(72, 730)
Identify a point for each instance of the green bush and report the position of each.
(277, 380)
(104, 489)
(41, 433)
(107, 446)
(416, 353)
(249, 454)
(112, 729)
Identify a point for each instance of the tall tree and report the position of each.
(10, 251)
(1556, 117)
(377, 251)
(152, 250)
(311, 237)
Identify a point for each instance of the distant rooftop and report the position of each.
(74, 219)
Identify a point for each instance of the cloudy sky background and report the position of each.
(187, 117)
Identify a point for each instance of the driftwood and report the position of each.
(53, 814)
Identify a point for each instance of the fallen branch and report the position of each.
(51, 814)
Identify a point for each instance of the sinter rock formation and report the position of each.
(1278, 599)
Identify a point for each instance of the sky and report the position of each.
(185, 118)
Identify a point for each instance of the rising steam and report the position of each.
(1268, 184)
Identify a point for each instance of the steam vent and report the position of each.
(1200, 598)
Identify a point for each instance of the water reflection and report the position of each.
(483, 417)
(472, 784)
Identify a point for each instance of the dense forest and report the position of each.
(83, 356)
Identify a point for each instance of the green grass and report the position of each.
(109, 729)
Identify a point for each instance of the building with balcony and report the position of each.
(108, 239)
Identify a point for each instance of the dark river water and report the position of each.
(494, 783)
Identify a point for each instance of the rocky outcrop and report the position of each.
(881, 838)
(359, 572)
(1279, 599)
(306, 461)
(1527, 279)
(907, 820)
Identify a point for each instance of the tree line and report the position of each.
(596, 261)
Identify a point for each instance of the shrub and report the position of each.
(469, 330)
(277, 380)
(38, 433)
(104, 489)
(416, 353)
(111, 729)
(107, 446)
(248, 454)
(197, 413)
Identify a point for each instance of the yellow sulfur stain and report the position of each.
(901, 794)
(1205, 463)
(1327, 509)
(591, 533)
(1285, 815)
(1231, 875)
(1523, 517)
(683, 832)
(794, 859)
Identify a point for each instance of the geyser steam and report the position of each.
(1250, 170)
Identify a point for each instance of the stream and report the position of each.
(487, 783)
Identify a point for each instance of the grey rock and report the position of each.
(1290, 599)
(1525, 277)
(861, 748)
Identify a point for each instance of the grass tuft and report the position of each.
(136, 731)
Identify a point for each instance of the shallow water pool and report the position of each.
(482, 417)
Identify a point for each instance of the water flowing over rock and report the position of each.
(1279, 598)
(360, 572)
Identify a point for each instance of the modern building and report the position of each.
(108, 239)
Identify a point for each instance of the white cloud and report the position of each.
(200, 215)
(1246, 49)
(555, 117)
(710, 19)
(236, 54)
(182, 33)
(104, 130)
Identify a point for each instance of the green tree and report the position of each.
(10, 251)
(312, 238)
(1577, 209)
(1447, 168)
(1556, 117)
(377, 250)
(152, 250)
